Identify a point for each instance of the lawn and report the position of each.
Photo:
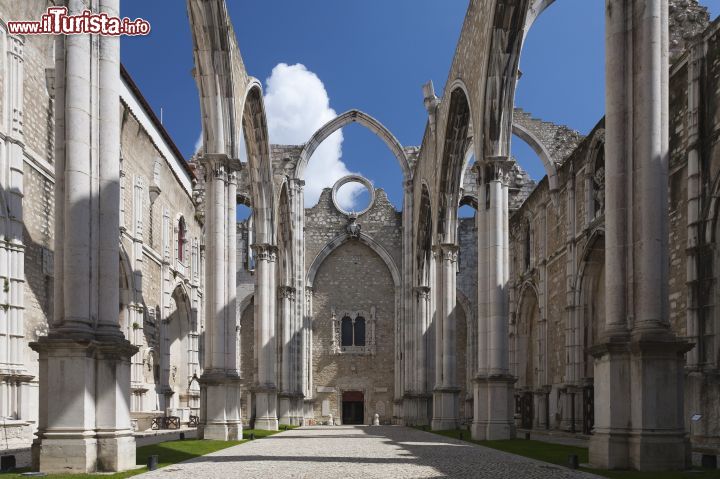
(558, 454)
(168, 453)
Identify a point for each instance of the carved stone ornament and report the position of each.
(353, 227)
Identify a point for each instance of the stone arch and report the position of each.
(590, 298)
(258, 153)
(535, 9)
(423, 244)
(526, 335)
(231, 105)
(179, 351)
(540, 150)
(469, 154)
(284, 238)
(353, 116)
(341, 240)
(502, 71)
(455, 147)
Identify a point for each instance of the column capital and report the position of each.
(265, 252)
(423, 292)
(214, 161)
(495, 168)
(448, 251)
(286, 292)
(408, 185)
(296, 184)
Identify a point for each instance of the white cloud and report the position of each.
(297, 105)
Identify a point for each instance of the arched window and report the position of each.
(181, 237)
(359, 331)
(354, 333)
(346, 334)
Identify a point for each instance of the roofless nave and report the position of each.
(516, 318)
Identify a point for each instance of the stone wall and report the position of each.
(353, 278)
(566, 256)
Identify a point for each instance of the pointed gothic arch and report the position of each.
(341, 240)
(353, 116)
(457, 140)
(232, 108)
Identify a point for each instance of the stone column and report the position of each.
(307, 355)
(638, 354)
(84, 361)
(286, 298)
(446, 392)
(423, 324)
(220, 380)
(297, 371)
(406, 384)
(695, 253)
(265, 342)
(493, 415)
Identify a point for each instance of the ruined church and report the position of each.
(584, 303)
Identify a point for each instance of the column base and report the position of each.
(415, 409)
(297, 409)
(78, 432)
(290, 408)
(445, 409)
(116, 453)
(266, 409)
(493, 417)
(632, 428)
(308, 411)
(284, 409)
(220, 395)
(65, 456)
(572, 413)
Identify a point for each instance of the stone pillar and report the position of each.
(266, 417)
(694, 204)
(220, 381)
(638, 354)
(84, 361)
(286, 298)
(406, 384)
(307, 355)
(423, 324)
(446, 392)
(493, 415)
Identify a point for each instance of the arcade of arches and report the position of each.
(583, 303)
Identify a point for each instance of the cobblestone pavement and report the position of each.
(362, 452)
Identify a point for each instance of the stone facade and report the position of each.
(160, 295)
(416, 317)
(558, 260)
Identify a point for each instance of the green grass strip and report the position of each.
(170, 452)
(558, 454)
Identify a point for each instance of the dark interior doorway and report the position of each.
(526, 410)
(353, 407)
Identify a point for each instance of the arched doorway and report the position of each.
(527, 358)
(180, 356)
(591, 318)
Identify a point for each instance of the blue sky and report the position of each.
(372, 55)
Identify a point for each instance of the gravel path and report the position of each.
(362, 452)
